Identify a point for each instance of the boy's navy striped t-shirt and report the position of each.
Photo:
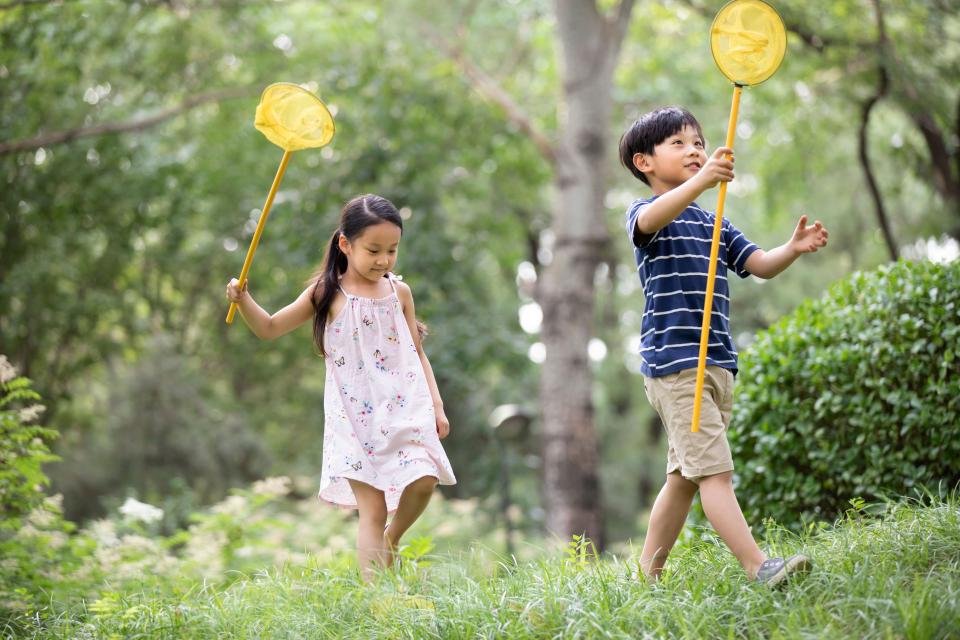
(672, 265)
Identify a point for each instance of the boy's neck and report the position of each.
(660, 187)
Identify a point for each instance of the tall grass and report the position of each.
(894, 575)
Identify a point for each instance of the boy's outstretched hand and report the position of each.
(807, 239)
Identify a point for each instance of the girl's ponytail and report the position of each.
(325, 284)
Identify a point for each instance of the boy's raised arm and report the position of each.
(669, 205)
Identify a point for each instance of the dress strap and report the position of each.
(391, 276)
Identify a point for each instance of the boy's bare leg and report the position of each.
(667, 517)
(723, 511)
(371, 554)
(413, 501)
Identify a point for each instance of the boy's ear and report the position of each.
(642, 162)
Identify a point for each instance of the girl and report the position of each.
(383, 416)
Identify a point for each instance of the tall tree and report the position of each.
(590, 47)
(590, 41)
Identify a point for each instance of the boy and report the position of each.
(671, 237)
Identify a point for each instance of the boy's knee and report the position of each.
(680, 483)
(717, 479)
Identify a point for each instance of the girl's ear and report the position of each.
(344, 244)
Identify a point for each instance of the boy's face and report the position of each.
(674, 161)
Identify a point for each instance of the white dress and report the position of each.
(379, 421)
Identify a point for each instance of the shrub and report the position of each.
(853, 395)
(25, 510)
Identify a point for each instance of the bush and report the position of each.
(854, 395)
(25, 510)
(23, 448)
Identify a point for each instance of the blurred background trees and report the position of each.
(132, 178)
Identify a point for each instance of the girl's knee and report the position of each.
(374, 515)
(423, 486)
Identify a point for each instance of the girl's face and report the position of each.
(374, 252)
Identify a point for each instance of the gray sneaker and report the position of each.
(775, 570)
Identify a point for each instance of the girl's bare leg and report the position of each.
(371, 554)
(413, 501)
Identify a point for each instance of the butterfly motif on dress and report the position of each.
(367, 321)
(404, 458)
(356, 466)
(340, 361)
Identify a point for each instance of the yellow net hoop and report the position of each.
(293, 118)
(748, 41)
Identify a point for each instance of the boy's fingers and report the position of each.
(719, 152)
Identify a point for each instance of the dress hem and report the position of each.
(354, 506)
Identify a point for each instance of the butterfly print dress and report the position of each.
(379, 422)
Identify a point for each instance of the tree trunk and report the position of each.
(590, 46)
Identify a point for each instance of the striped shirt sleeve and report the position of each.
(739, 249)
(638, 239)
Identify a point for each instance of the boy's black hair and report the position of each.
(651, 129)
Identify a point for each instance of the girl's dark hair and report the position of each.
(651, 129)
(358, 214)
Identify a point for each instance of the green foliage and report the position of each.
(23, 447)
(34, 543)
(854, 395)
(164, 439)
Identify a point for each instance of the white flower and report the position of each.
(7, 372)
(31, 413)
(276, 487)
(103, 532)
(141, 511)
(42, 518)
(231, 506)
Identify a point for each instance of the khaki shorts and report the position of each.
(707, 452)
